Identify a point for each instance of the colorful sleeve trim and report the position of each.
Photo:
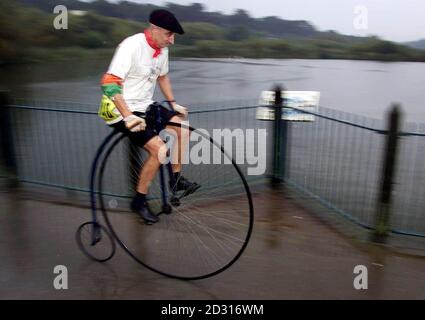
(111, 85)
(111, 90)
(110, 78)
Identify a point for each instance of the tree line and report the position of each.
(27, 34)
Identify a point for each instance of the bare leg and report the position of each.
(179, 146)
(157, 153)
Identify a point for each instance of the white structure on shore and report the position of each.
(78, 12)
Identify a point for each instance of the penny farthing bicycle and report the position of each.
(198, 235)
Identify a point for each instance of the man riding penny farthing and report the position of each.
(207, 209)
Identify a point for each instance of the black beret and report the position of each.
(165, 19)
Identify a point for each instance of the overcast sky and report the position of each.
(395, 20)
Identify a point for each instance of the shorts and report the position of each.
(142, 137)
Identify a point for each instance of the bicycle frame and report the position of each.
(94, 170)
(93, 182)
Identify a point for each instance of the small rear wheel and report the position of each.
(95, 241)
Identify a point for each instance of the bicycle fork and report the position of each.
(166, 208)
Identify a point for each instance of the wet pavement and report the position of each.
(293, 254)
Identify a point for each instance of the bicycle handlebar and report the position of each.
(168, 104)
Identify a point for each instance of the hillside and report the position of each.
(27, 34)
(419, 44)
(268, 26)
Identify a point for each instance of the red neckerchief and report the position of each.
(152, 44)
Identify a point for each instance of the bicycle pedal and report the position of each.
(175, 201)
(190, 191)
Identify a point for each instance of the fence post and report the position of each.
(277, 135)
(7, 151)
(284, 147)
(382, 220)
(279, 138)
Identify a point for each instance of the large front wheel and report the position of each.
(205, 232)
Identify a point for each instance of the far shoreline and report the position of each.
(73, 54)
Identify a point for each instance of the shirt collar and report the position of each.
(152, 44)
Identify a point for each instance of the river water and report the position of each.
(361, 87)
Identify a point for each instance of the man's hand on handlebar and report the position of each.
(135, 123)
(180, 109)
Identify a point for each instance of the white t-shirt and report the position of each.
(133, 61)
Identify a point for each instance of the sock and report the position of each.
(139, 199)
(176, 176)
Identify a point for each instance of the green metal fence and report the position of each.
(344, 161)
(55, 146)
(337, 159)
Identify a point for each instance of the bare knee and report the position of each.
(179, 132)
(157, 150)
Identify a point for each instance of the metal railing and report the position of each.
(338, 159)
(54, 146)
(350, 164)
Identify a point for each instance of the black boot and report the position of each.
(143, 210)
(182, 184)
